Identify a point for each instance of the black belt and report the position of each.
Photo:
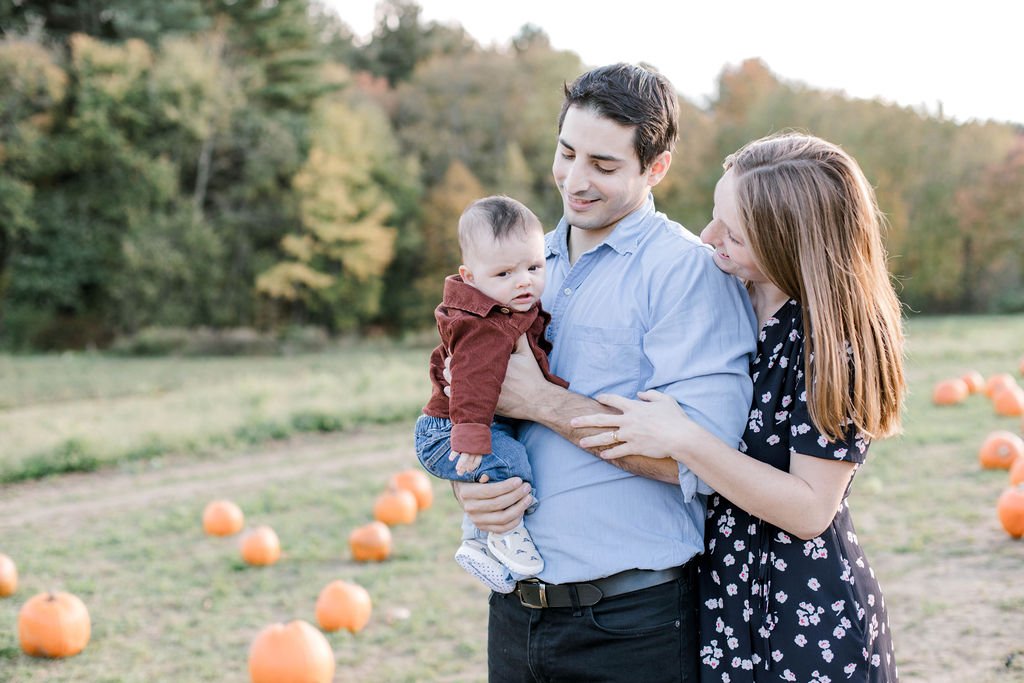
(537, 595)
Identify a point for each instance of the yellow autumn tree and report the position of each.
(333, 267)
(439, 226)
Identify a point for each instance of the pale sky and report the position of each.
(967, 55)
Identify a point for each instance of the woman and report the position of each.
(786, 591)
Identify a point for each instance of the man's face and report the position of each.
(597, 171)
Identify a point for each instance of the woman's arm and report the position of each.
(802, 501)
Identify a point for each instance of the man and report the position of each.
(636, 303)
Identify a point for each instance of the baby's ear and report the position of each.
(466, 274)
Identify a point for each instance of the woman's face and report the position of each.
(725, 233)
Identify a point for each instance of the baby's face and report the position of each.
(511, 271)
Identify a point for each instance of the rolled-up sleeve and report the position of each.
(700, 347)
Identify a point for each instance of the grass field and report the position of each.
(171, 604)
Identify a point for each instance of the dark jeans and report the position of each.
(648, 635)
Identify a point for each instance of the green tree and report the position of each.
(401, 41)
(33, 87)
(92, 185)
(112, 20)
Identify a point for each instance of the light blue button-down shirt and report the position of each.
(647, 309)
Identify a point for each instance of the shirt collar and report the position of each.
(624, 238)
(465, 297)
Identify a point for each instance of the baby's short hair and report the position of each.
(502, 215)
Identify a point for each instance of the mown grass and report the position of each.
(170, 604)
(80, 412)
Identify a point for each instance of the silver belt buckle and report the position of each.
(532, 594)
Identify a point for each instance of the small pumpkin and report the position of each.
(418, 483)
(395, 506)
(1010, 508)
(950, 392)
(8, 576)
(998, 382)
(370, 542)
(1009, 402)
(261, 546)
(222, 518)
(342, 604)
(975, 381)
(53, 625)
(1000, 449)
(291, 653)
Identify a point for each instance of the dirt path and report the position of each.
(73, 499)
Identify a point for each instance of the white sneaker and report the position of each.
(516, 550)
(474, 557)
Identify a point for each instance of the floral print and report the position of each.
(776, 607)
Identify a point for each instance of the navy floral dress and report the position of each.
(776, 607)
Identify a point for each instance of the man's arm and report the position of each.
(527, 395)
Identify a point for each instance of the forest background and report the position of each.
(250, 169)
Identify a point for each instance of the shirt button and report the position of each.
(567, 291)
(504, 310)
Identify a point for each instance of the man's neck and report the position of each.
(581, 241)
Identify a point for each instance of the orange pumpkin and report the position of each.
(261, 546)
(343, 605)
(8, 576)
(1009, 402)
(53, 625)
(1017, 471)
(1000, 449)
(222, 518)
(416, 482)
(1010, 507)
(395, 506)
(291, 653)
(998, 382)
(370, 542)
(949, 392)
(974, 380)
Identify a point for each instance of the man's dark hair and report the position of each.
(503, 215)
(631, 95)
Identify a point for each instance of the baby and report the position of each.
(486, 308)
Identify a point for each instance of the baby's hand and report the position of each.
(467, 462)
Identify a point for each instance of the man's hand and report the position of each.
(494, 507)
(523, 387)
(524, 383)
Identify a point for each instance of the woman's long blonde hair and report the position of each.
(813, 224)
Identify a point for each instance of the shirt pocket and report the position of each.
(606, 360)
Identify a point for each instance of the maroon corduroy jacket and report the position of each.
(479, 334)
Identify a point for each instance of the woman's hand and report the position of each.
(654, 426)
(494, 506)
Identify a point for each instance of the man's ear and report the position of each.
(466, 274)
(659, 167)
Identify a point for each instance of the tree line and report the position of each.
(250, 163)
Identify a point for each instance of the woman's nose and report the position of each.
(709, 234)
